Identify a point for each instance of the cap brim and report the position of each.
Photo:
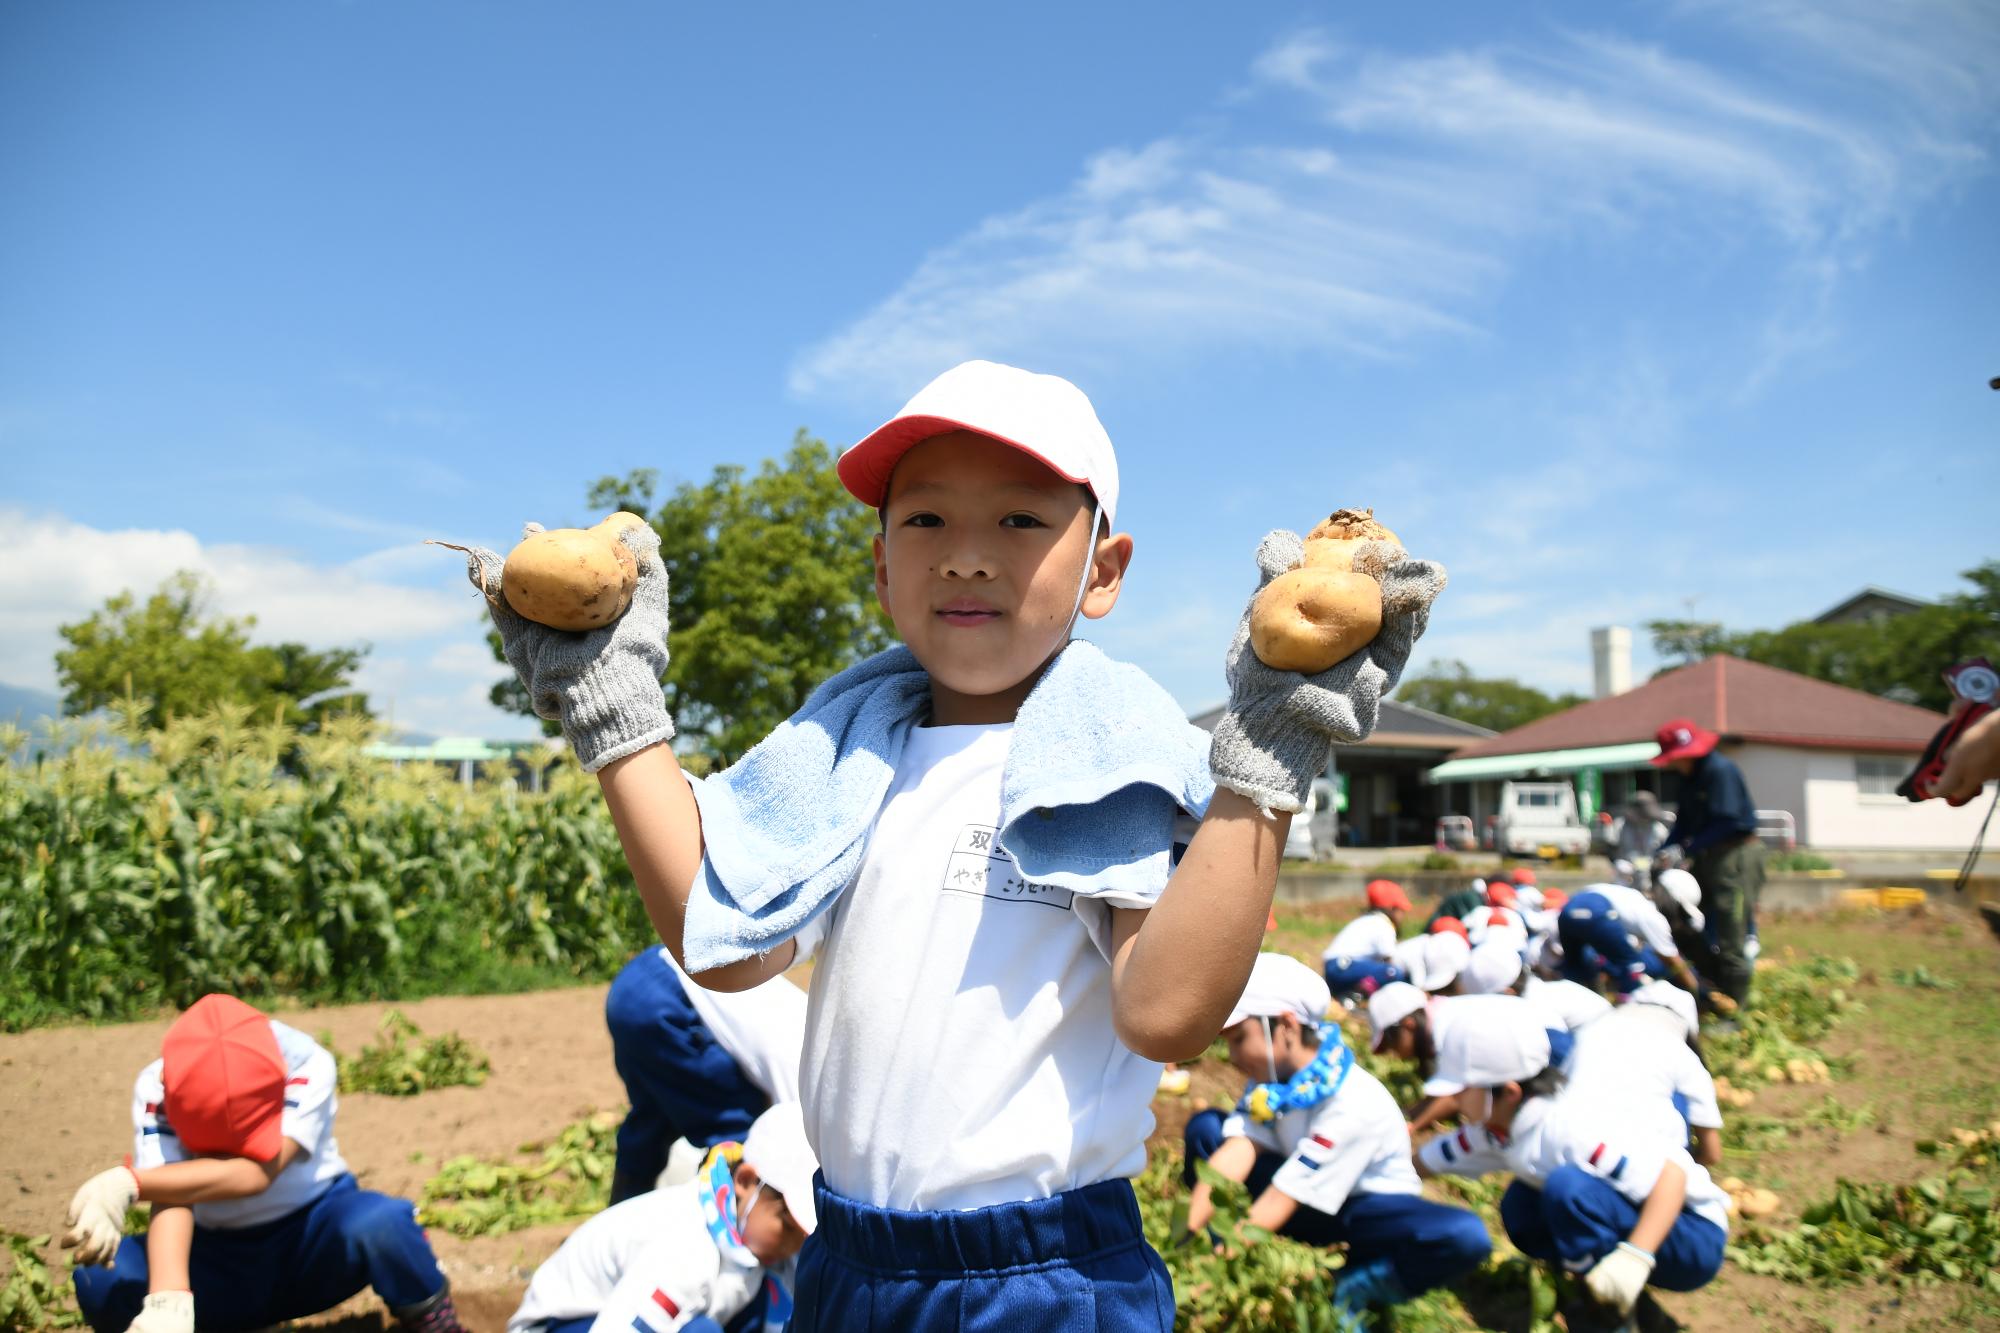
(866, 467)
(799, 1203)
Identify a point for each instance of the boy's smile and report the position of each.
(982, 549)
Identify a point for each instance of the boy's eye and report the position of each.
(1021, 521)
(921, 520)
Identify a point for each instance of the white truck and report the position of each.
(1537, 819)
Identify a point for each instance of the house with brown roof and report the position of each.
(1828, 756)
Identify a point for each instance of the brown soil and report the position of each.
(64, 1099)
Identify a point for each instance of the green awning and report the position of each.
(455, 749)
(1633, 754)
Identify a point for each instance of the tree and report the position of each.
(1899, 657)
(175, 660)
(772, 590)
(1450, 688)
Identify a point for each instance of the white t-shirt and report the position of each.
(1630, 1058)
(1370, 935)
(762, 1028)
(1639, 915)
(1565, 1004)
(645, 1264)
(1625, 1149)
(1355, 1142)
(1439, 1011)
(959, 1045)
(310, 1102)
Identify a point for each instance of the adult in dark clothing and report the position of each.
(1716, 827)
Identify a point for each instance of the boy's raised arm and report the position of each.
(1178, 967)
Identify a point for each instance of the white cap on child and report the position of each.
(1493, 967)
(1444, 957)
(776, 1149)
(1390, 1006)
(1044, 416)
(1685, 890)
(1281, 984)
(1492, 1039)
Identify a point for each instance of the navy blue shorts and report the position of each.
(1074, 1263)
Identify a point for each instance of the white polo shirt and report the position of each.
(310, 1101)
(959, 1046)
(1485, 923)
(762, 1028)
(1626, 1150)
(647, 1265)
(1355, 1142)
(1638, 915)
(1565, 1004)
(1632, 1059)
(1370, 935)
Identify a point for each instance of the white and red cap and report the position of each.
(1281, 984)
(1044, 416)
(776, 1149)
(1492, 1039)
(1390, 1006)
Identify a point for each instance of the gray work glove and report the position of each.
(1275, 736)
(603, 685)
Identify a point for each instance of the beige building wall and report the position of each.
(1824, 790)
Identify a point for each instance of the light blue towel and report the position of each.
(1100, 763)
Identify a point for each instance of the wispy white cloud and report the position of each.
(1394, 194)
(428, 657)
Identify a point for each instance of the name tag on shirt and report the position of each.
(978, 865)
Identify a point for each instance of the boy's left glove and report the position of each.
(165, 1312)
(603, 685)
(1619, 1277)
(1275, 737)
(96, 1218)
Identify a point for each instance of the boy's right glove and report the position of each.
(1280, 726)
(603, 685)
(96, 1218)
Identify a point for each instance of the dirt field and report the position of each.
(1922, 1063)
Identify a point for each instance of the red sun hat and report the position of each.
(1522, 875)
(1451, 925)
(225, 1080)
(1387, 893)
(1501, 894)
(1683, 738)
(1553, 899)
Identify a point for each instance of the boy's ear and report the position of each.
(746, 1175)
(881, 549)
(1113, 556)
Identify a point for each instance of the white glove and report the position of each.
(1620, 1276)
(165, 1312)
(96, 1218)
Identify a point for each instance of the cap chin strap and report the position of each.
(1089, 563)
(1270, 1055)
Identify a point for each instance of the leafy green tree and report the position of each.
(1899, 657)
(176, 660)
(772, 590)
(1502, 704)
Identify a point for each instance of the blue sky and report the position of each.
(1617, 310)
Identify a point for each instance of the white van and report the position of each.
(1537, 819)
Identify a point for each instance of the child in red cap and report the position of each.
(1361, 958)
(256, 1218)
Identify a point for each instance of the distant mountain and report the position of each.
(25, 707)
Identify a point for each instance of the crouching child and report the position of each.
(1323, 1148)
(709, 1254)
(256, 1218)
(1599, 1188)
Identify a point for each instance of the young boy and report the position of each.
(975, 831)
(1323, 1149)
(1360, 958)
(709, 1253)
(698, 1065)
(1599, 1187)
(256, 1219)
(1616, 932)
(1643, 1052)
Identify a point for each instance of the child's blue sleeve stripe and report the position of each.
(292, 1103)
(1619, 1169)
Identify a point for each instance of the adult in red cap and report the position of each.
(256, 1218)
(1715, 826)
(1361, 958)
